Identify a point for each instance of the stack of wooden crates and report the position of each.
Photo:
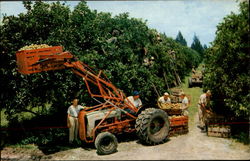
(178, 122)
(178, 125)
(217, 127)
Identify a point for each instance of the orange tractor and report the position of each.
(99, 124)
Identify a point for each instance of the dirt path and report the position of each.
(194, 145)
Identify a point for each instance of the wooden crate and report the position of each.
(175, 99)
(214, 118)
(164, 106)
(178, 130)
(179, 121)
(176, 91)
(27, 60)
(223, 131)
(169, 108)
(171, 112)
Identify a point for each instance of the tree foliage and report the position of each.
(196, 45)
(227, 64)
(119, 45)
(180, 39)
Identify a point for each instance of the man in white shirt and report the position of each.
(202, 109)
(165, 98)
(72, 120)
(133, 100)
(184, 103)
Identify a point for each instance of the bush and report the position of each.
(227, 65)
(118, 45)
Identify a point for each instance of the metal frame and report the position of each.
(45, 59)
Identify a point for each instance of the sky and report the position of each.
(191, 17)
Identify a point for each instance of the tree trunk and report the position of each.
(165, 79)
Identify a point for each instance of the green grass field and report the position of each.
(194, 93)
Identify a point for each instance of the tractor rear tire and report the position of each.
(152, 126)
(190, 83)
(106, 143)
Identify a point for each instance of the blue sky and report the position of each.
(191, 17)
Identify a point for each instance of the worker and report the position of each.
(134, 100)
(165, 98)
(203, 109)
(184, 104)
(72, 120)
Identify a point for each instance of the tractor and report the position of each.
(195, 80)
(100, 124)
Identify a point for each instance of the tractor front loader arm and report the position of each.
(53, 58)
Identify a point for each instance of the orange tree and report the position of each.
(227, 65)
(118, 45)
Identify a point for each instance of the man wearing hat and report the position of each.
(203, 109)
(184, 103)
(164, 99)
(134, 100)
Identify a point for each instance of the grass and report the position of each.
(22, 115)
(194, 94)
(4, 121)
(242, 137)
(27, 146)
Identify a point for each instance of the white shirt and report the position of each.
(203, 99)
(184, 102)
(74, 111)
(162, 100)
(136, 102)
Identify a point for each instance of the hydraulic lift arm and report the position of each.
(53, 58)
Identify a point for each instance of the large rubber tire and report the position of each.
(190, 83)
(152, 126)
(106, 143)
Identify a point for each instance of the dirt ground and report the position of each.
(194, 145)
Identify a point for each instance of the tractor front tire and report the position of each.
(106, 143)
(152, 126)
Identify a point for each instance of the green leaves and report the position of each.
(227, 64)
(180, 39)
(86, 34)
(196, 45)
